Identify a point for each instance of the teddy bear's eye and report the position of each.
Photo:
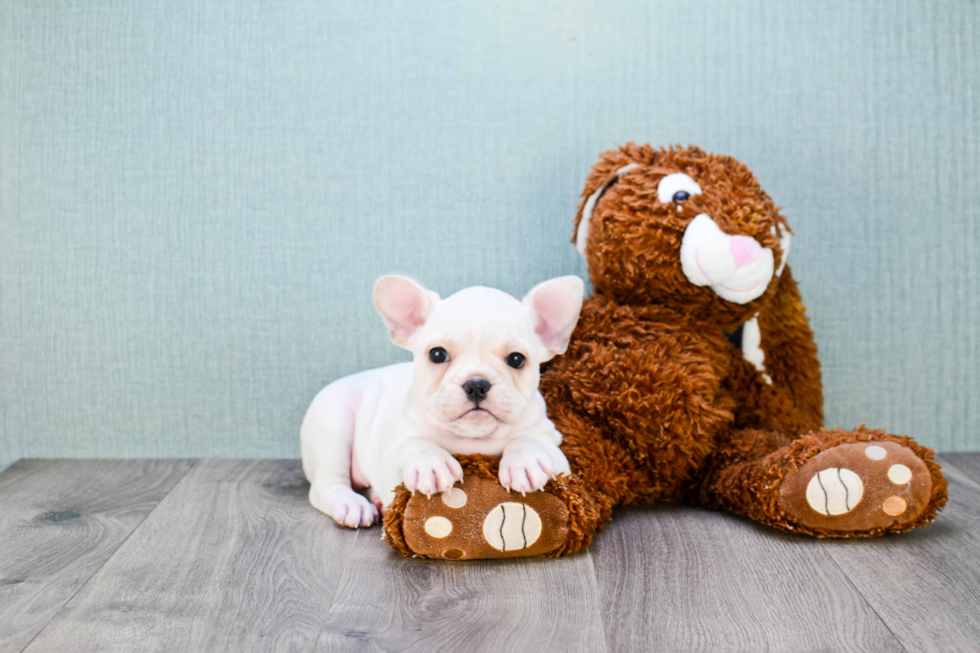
(677, 188)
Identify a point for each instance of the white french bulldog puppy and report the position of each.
(471, 388)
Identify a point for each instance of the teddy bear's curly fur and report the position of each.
(657, 401)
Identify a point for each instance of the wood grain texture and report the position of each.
(925, 584)
(676, 578)
(962, 467)
(59, 523)
(233, 560)
(387, 602)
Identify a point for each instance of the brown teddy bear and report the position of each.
(692, 376)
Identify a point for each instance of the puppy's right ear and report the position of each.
(404, 306)
(555, 306)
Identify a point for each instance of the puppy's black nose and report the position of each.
(476, 389)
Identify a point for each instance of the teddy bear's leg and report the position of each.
(828, 483)
(478, 518)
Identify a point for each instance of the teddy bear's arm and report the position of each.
(651, 388)
(793, 402)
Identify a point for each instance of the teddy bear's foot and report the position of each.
(480, 519)
(858, 487)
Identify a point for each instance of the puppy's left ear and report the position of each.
(404, 306)
(554, 306)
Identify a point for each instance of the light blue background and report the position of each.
(195, 197)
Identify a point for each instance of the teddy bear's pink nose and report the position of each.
(744, 250)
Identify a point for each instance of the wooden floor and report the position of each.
(222, 555)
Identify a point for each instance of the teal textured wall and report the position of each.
(195, 197)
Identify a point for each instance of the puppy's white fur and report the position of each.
(401, 423)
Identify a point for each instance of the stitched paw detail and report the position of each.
(480, 519)
(857, 486)
(512, 526)
(834, 491)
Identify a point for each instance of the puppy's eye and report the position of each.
(438, 355)
(677, 188)
(516, 360)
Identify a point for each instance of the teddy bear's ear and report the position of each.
(785, 241)
(555, 306)
(404, 306)
(604, 173)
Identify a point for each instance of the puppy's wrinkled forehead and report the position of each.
(482, 313)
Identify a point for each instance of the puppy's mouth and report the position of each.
(477, 412)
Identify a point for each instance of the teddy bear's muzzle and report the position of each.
(737, 268)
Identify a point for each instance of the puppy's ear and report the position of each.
(404, 306)
(554, 307)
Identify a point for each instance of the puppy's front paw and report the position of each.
(529, 468)
(431, 472)
(353, 510)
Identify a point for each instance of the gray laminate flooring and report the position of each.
(227, 555)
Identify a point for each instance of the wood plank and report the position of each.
(963, 467)
(925, 584)
(392, 603)
(677, 578)
(60, 520)
(234, 559)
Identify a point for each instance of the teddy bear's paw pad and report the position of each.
(857, 486)
(480, 519)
